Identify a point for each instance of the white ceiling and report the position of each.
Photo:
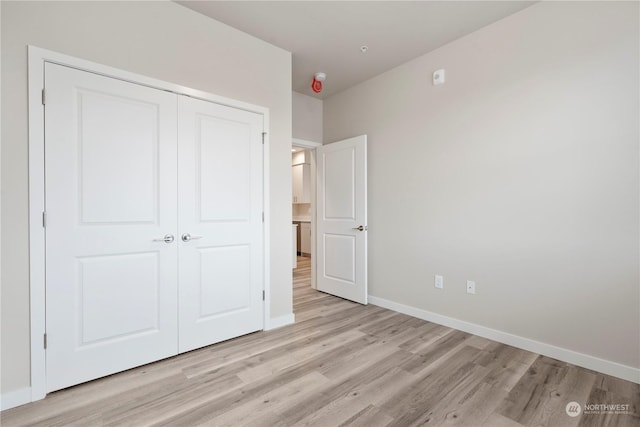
(326, 35)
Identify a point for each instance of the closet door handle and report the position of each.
(168, 238)
(186, 237)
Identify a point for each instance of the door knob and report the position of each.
(359, 228)
(186, 237)
(168, 238)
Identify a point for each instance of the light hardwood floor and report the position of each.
(341, 364)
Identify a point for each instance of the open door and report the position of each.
(342, 219)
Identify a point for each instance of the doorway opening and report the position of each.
(303, 211)
(336, 175)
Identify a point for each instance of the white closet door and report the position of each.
(111, 197)
(220, 222)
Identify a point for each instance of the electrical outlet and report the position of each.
(471, 287)
(438, 281)
(438, 77)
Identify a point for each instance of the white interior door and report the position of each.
(220, 217)
(111, 279)
(342, 218)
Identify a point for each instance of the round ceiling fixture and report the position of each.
(316, 84)
(364, 48)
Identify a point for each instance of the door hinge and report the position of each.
(263, 135)
(45, 341)
(43, 97)
(262, 295)
(44, 219)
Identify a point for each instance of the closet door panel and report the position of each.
(220, 222)
(154, 237)
(111, 281)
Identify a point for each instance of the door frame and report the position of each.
(37, 57)
(311, 147)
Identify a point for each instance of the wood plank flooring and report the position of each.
(342, 364)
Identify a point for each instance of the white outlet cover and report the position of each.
(471, 287)
(438, 77)
(438, 281)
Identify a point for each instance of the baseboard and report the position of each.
(15, 398)
(579, 359)
(278, 322)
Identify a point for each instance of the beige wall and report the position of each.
(521, 173)
(307, 117)
(157, 39)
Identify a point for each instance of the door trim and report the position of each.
(305, 144)
(37, 262)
